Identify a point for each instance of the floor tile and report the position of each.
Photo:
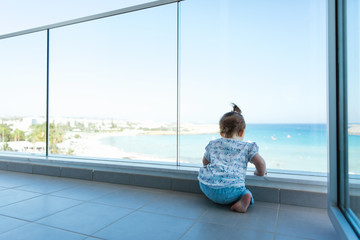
(160, 214)
(287, 237)
(74, 183)
(10, 196)
(20, 176)
(180, 205)
(305, 210)
(10, 181)
(46, 187)
(7, 223)
(37, 208)
(266, 204)
(86, 218)
(257, 217)
(305, 222)
(35, 231)
(129, 198)
(143, 225)
(85, 192)
(208, 231)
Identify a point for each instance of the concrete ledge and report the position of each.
(84, 174)
(182, 185)
(265, 194)
(3, 166)
(46, 170)
(302, 190)
(19, 167)
(150, 181)
(302, 198)
(111, 177)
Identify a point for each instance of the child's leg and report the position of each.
(244, 202)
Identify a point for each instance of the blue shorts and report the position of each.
(225, 195)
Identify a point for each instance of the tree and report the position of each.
(113, 125)
(5, 132)
(6, 147)
(56, 133)
(54, 149)
(18, 135)
(37, 133)
(80, 126)
(70, 151)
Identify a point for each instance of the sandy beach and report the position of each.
(354, 129)
(90, 145)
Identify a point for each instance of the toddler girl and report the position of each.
(222, 178)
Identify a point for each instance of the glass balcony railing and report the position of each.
(23, 93)
(151, 85)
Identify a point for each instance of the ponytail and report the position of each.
(236, 108)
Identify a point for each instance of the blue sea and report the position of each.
(301, 147)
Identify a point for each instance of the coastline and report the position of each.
(284, 145)
(354, 129)
(90, 145)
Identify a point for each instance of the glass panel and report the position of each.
(113, 87)
(353, 90)
(23, 93)
(22, 14)
(269, 57)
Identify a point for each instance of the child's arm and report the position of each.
(205, 161)
(260, 165)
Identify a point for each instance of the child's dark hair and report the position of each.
(232, 122)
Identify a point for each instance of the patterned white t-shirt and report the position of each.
(228, 162)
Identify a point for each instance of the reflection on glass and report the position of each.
(23, 93)
(113, 87)
(353, 90)
(268, 58)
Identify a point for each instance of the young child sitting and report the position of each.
(222, 178)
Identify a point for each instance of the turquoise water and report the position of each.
(283, 146)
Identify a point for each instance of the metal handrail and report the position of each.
(90, 18)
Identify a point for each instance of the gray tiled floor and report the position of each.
(41, 207)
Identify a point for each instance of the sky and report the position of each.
(269, 57)
(24, 14)
(353, 61)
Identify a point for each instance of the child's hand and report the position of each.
(205, 162)
(260, 166)
(256, 173)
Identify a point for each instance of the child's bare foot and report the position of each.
(243, 204)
